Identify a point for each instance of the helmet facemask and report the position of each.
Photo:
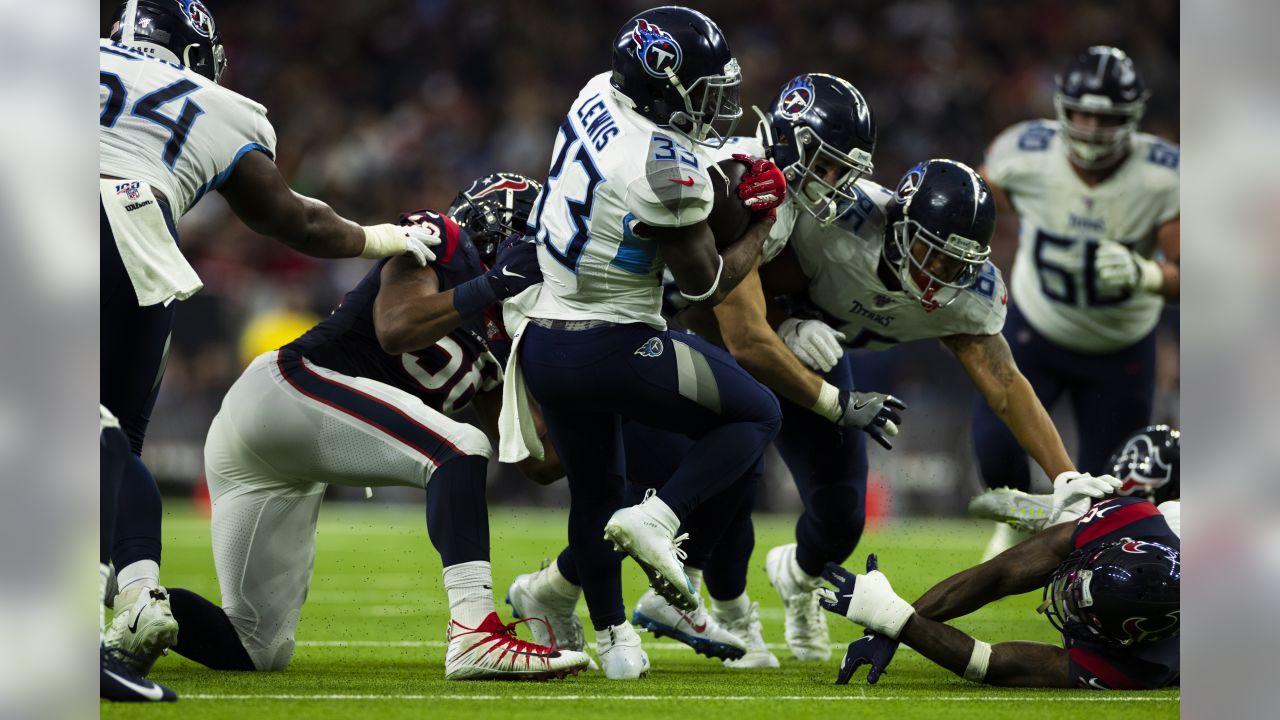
(712, 106)
(1065, 597)
(1103, 146)
(931, 269)
(820, 197)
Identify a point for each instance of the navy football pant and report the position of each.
(132, 355)
(586, 381)
(1111, 396)
(829, 466)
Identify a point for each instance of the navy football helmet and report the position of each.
(494, 208)
(1147, 464)
(180, 31)
(673, 66)
(1100, 101)
(1121, 593)
(820, 123)
(938, 233)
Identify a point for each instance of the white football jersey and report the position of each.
(611, 169)
(174, 128)
(840, 261)
(1062, 220)
(786, 212)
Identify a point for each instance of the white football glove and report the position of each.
(816, 343)
(1072, 491)
(867, 600)
(1119, 269)
(387, 240)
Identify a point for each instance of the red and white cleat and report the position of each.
(493, 652)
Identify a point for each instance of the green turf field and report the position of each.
(371, 641)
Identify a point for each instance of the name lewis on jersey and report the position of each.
(599, 125)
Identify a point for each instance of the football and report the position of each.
(729, 216)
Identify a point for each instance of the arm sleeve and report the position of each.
(670, 192)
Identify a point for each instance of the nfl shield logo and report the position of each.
(129, 190)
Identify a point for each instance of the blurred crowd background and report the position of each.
(388, 105)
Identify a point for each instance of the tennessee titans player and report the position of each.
(1099, 243)
(627, 195)
(364, 398)
(1111, 584)
(169, 134)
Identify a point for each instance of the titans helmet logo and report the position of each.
(909, 184)
(200, 18)
(796, 98)
(656, 49)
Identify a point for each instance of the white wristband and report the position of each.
(711, 290)
(384, 240)
(828, 404)
(978, 662)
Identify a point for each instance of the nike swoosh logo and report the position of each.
(696, 628)
(860, 405)
(151, 693)
(687, 182)
(133, 626)
(508, 273)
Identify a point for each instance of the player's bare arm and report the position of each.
(410, 313)
(690, 253)
(488, 405)
(989, 364)
(1010, 664)
(1169, 240)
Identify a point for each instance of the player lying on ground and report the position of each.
(168, 135)
(1111, 585)
(363, 399)
(820, 133)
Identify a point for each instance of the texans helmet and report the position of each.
(1147, 464)
(820, 124)
(1100, 101)
(673, 66)
(938, 234)
(180, 31)
(494, 208)
(1122, 593)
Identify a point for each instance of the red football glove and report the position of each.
(763, 187)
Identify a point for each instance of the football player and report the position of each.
(1111, 584)
(628, 194)
(363, 399)
(821, 134)
(169, 134)
(1099, 237)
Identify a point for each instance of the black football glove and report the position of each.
(870, 649)
(515, 267)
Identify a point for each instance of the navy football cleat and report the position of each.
(120, 684)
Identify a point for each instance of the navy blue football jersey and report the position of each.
(1147, 665)
(446, 375)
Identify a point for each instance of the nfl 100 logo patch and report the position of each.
(129, 190)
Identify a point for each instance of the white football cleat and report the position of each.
(647, 532)
(620, 653)
(1022, 510)
(697, 629)
(748, 628)
(1004, 537)
(143, 628)
(806, 623)
(493, 652)
(562, 627)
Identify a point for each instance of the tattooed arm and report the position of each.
(989, 363)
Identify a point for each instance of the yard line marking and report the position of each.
(1096, 697)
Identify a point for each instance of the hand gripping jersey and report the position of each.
(446, 375)
(171, 127)
(787, 212)
(1062, 220)
(1147, 665)
(610, 170)
(840, 261)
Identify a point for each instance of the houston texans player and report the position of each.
(821, 134)
(1111, 586)
(628, 193)
(168, 134)
(363, 399)
(1098, 250)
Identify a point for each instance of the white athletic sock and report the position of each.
(104, 579)
(731, 609)
(695, 577)
(470, 588)
(556, 584)
(143, 573)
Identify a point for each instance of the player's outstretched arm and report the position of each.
(1010, 664)
(260, 197)
(989, 364)
(410, 313)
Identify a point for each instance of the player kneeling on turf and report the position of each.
(1111, 585)
(363, 399)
